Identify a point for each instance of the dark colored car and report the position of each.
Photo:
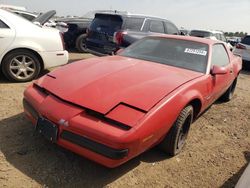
(76, 33)
(75, 36)
(110, 32)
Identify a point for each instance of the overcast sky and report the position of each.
(226, 15)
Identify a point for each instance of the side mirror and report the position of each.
(216, 70)
(119, 51)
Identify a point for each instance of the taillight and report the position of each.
(62, 39)
(240, 46)
(118, 37)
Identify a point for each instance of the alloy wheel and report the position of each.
(22, 67)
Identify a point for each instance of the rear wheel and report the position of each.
(81, 43)
(176, 137)
(21, 66)
(228, 95)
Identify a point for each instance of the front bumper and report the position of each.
(94, 146)
(83, 141)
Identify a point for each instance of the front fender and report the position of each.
(158, 121)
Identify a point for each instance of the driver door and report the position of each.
(221, 82)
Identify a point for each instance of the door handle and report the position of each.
(1, 37)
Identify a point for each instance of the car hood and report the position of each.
(100, 84)
(43, 18)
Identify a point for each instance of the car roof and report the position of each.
(206, 30)
(15, 20)
(190, 38)
(25, 12)
(126, 14)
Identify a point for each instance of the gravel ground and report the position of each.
(216, 154)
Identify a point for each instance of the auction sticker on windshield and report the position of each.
(196, 51)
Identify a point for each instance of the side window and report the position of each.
(156, 26)
(134, 24)
(3, 25)
(219, 56)
(171, 28)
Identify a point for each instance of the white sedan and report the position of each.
(26, 48)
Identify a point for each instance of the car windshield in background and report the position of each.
(246, 40)
(178, 53)
(106, 23)
(202, 34)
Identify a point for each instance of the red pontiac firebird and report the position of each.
(111, 109)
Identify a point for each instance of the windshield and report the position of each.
(178, 53)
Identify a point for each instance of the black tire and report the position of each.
(176, 137)
(29, 66)
(80, 43)
(228, 95)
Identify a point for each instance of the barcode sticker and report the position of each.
(196, 51)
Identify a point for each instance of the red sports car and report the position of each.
(111, 109)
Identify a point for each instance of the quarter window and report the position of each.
(156, 26)
(3, 25)
(219, 56)
(171, 28)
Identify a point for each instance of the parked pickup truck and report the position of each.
(108, 32)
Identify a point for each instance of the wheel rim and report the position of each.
(22, 67)
(181, 139)
(83, 44)
(183, 133)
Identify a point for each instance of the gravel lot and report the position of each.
(216, 154)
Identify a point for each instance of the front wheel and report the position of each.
(176, 137)
(21, 66)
